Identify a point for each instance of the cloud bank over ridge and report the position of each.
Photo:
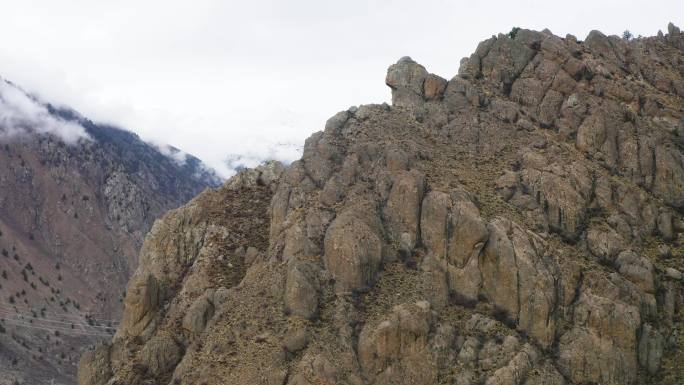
(20, 115)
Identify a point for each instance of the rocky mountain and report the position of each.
(519, 224)
(76, 199)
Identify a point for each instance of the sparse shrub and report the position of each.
(514, 32)
(627, 35)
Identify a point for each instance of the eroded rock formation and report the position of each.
(519, 224)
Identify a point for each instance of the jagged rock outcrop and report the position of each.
(517, 224)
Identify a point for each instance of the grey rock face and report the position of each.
(301, 289)
(161, 354)
(499, 228)
(142, 304)
(651, 344)
(412, 85)
(98, 370)
(353, 250)
(199, 313)
(403, 209)
(406, 79)
(401, 338)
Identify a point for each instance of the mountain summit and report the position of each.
(520, 223)
(76, 200)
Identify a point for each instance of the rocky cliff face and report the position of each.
(72, 219)
(520, 223)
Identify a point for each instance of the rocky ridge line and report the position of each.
(520, 223)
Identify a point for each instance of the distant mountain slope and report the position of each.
(76, 199)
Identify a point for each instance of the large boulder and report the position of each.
(160, 355)
(466, 231)
(406, 79)
(402, 210)
(301, 289)
(651, 345)
(94, 368)
(503, 61)
(140, 305)
(604, 243)
(668, 180)
(516, 370)
(602, 345)
(199, 313)
(638, 270)
(500, 280)
(562, 192)
(434, 87)
(454, 234)
(519, 281)
(537, 291)
(397, 349)
(353, 248)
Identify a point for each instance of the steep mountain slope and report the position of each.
(76, 199)
(520, 223)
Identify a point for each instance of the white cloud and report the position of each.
(216, 77)
(177, 155)
(254, 155)
(20, 114)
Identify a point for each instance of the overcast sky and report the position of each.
(220, 78)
